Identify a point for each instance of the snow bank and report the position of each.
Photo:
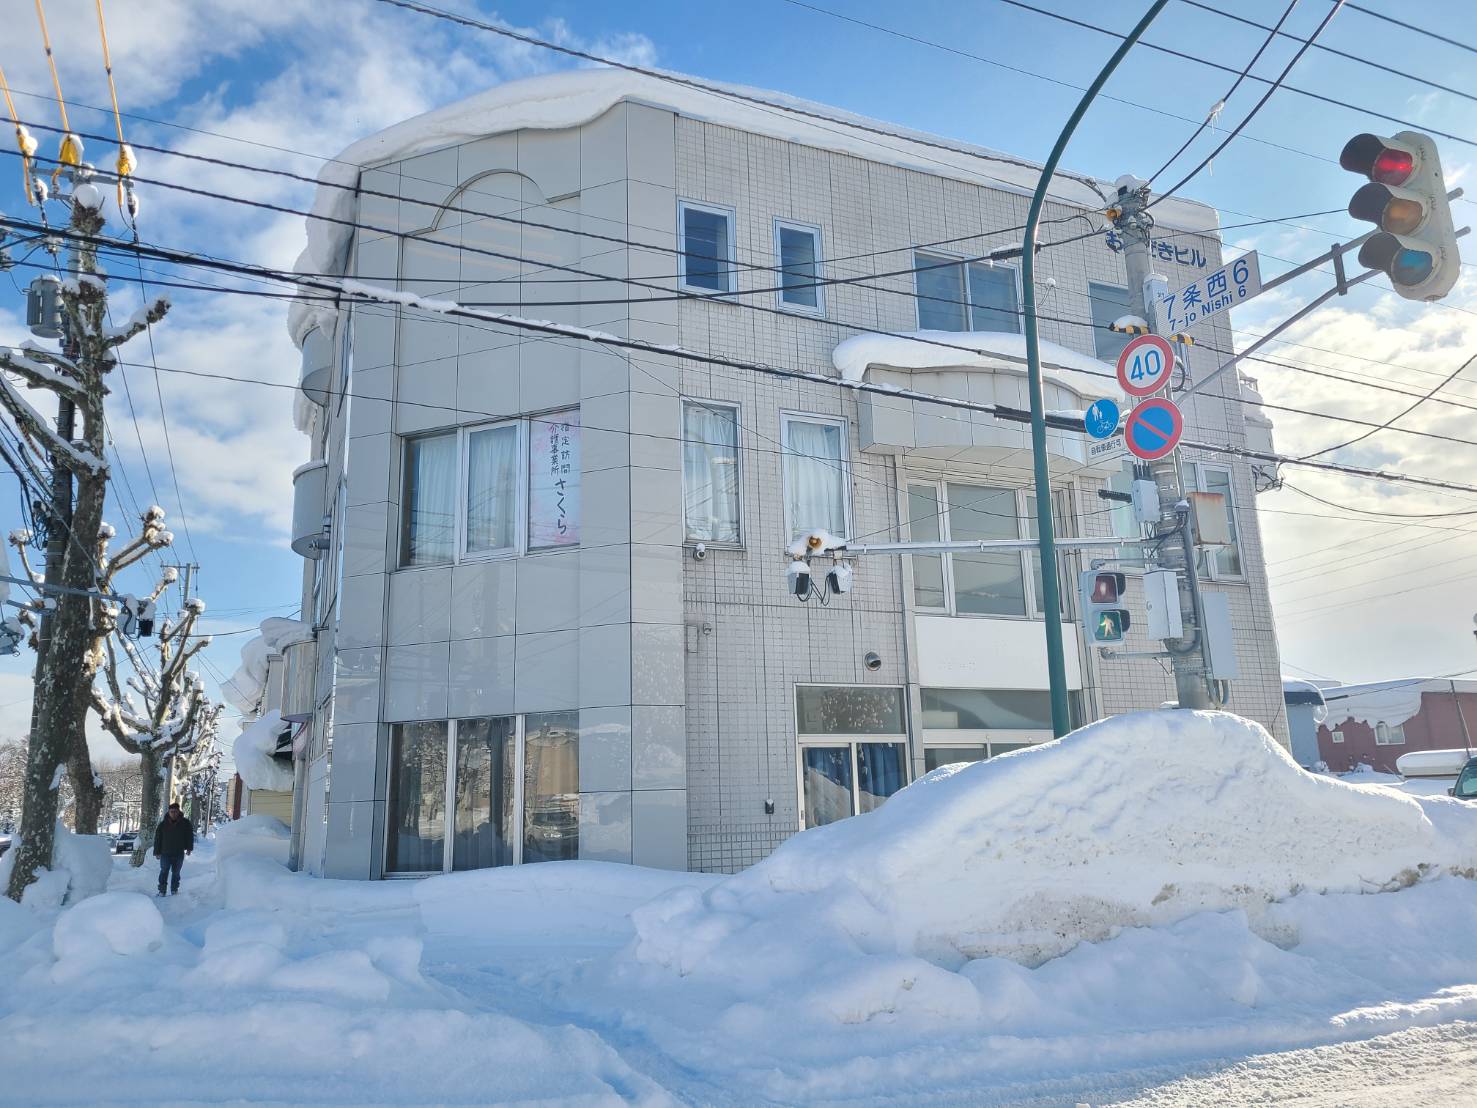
(102, 929)
(80, 867)
(1143, 819)
(982, 350)
(256, 836)
(253, 752)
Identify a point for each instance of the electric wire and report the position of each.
(1387, 425)
(1426, 31)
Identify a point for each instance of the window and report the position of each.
(1386, 734)
(1109, 302)
(852, 749)
(710, 472)
(459, 801)
(1223, 561)
(960, 296)
(1466, 784)
(1337, 736)
(496, 489)
(798, 248)
(998, 583)
(706, 264)
(816, 475)
(971, 725)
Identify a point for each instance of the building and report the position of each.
(547, 578)
(1374, 724)
(1306, 709)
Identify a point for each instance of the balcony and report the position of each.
(318, 363)
(310, 509)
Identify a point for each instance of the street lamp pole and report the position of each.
(1051, 593)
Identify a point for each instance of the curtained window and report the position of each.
(815, 473)
(710, 478)
(428, 500)
(492, 489)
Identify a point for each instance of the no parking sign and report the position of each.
(1153, 429)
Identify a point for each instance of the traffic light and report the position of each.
(1406, 198)
(1103, 617)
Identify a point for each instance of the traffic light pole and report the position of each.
(1187, 656)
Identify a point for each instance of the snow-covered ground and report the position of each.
(1160, 907)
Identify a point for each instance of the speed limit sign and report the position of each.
(1145, 365)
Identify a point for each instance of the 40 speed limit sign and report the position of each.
(1145, 365)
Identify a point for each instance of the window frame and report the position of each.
(738, 463)
(847, 739)
(731, 274)
(819, 308)
(787, 417)
(462, 434)
(968, 305)
(1128, 309)
(1209, 565)
(1391, 732)
(1024, 504)
(1336, 736)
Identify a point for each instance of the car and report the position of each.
(1466, 782)
(124, 843)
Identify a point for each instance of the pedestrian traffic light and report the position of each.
(1406, 199)
(1103, 618)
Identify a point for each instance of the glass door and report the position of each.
(551, 787)
(484, 800)
(418, 800)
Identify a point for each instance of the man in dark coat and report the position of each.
(173, 839)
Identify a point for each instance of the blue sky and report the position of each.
(306, 76)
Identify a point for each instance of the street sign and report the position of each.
(1105, 451)
(1145, 365)
(1234, 283)
(1153, 429)
(1101, 419)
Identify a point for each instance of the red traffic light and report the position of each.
(1386, 165)
(1107, 588)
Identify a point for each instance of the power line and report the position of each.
(1387, 424)
(1362, 10)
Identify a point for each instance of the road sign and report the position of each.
(1234, 283)
(1101, 419)
(1145, 365)
(1153, 429)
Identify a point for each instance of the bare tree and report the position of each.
(77, 378)
(122, 791)
(197, 768)
(158, 713)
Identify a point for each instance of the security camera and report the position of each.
(699, 552)
(873, 661)
(799, 578)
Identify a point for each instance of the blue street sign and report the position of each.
(1153, 429)
(1101, 419)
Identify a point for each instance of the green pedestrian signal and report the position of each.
(1101, 593)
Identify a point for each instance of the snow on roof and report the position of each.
(1390, 702)
(574, 97)
(255, 755)
(1297, 691)
(984, 350)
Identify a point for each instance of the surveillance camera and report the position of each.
(873, 661)
(699, 552)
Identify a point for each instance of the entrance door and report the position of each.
(484, 801)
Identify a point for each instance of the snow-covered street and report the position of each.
(1002, 933)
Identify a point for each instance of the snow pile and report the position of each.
(1140, 820)
(972, 350)
(80, 866)
(245, 687)
(1433, 763)
(101, 929)
(253, 754)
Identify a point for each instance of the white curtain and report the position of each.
(815, 485)
(430, 500)
(492, 488)
(710, 474)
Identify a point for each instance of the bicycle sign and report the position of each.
(1145, 365)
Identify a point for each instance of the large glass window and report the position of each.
(417, 801)
(1109, 303)
(816, 475)
(428, 500)
(960, 296)
(511, 796)
(551, 787)
(497, 489)
(971, 725)
(799, 250)
(996, 583)
(706, 264)
(852, 749)
(710, 472)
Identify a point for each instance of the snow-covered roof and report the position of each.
(981, 350)
(574, 97)
(1390, 702)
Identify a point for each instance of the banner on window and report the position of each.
(554, 480)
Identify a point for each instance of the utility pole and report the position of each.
(1192, 688)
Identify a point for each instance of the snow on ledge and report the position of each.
(983, 350)
(253, 754)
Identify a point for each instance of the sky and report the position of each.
(288, 83)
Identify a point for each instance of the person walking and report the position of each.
(173, 839)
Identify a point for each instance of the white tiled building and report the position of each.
(519, 654)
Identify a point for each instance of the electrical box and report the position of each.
(1162, 602)
(1220, 645)
(1211, 523)
(1146, 507)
